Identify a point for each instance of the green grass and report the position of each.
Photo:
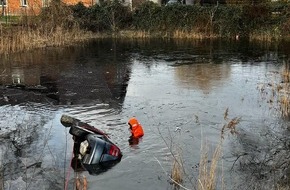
(9, 19)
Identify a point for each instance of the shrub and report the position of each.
(56, 15)
(217, 20)
(147, 16)
(107, 16)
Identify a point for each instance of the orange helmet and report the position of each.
(133, 122)
(136, 128)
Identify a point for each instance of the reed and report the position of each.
(286, 73)
(176, 34)
(277, 91)
(190, 35)
(266, 34)
(24, 40)
(177, 171)
(207, 179)
(284, 90)
(134, 34)
(208, 173)
(261, 36)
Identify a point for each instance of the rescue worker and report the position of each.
(135, 128)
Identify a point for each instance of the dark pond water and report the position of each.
(179, 91)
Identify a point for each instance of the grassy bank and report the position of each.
(24, 40)
(60, 25)
(30, 32)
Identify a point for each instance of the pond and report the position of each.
(182, 92)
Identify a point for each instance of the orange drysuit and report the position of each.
(136, 128)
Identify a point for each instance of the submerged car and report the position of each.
(93, 151)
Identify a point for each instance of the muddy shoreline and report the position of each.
(18, 94)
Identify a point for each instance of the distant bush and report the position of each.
(225, 20)
(216, 20)
(56, 15)
(109, 15)
(221, 20)
(147, 16)
(271, 19)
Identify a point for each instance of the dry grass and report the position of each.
(207, 178)
(133, 34)
(177, 171)
(190, 35)
(16, 39)
(209, 160)
(27, 39)
(277, 91)
(177, 34)
(20, 38)
(208, 170)
(286, 74)
(230, 124)
(265, 35)
(285, 105)
(260, 37)
(53, 27)
(283, 90)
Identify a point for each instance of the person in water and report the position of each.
(135, 128)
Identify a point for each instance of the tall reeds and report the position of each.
(277, 91)
(208, 174)
(207, 179)
(190, 35)
(177, 171)
(208, 167)
(134, 34)
(284, 91)
(15, 40)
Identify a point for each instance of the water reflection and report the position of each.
(202, 76)
(101, 78)
(133, 141)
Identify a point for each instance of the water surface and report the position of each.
(179, 91)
